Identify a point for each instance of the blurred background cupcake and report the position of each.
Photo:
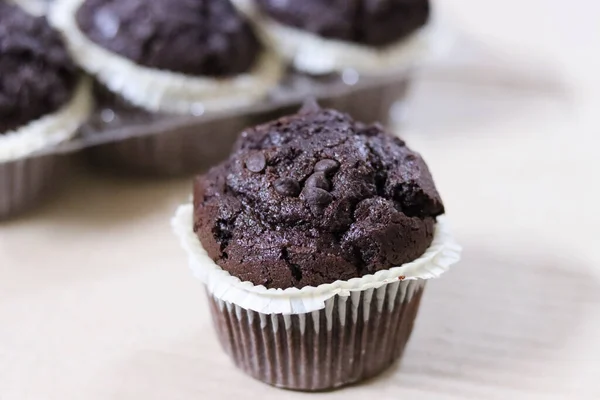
(169, 56)
(320, 36)
(43, 101)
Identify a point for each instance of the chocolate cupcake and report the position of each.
(43, 101)
(169, 56)
(315, 240)
(321, 36)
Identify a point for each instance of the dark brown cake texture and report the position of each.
(313, 198)
(37, 76)
(193, 37)
(368, 22)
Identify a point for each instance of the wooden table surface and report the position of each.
(96, 301)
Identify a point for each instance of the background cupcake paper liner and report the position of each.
(50, 129)
(159, 90)
(26, 182)
(25, 175)
(351, 339)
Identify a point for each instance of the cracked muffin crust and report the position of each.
(313, 198)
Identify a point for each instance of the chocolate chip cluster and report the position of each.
(317, 186)
(313, 198)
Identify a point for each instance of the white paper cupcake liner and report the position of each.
(316, 55)
(442, 253)
(50, 129)
(351, 339)
(159, 90)
(26, 182)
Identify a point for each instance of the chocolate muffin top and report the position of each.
(37, 76)
(369, 22)
(313, 198)
(193, 37)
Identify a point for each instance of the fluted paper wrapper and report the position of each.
(175, 151)
(29, 169)
(351, 339)
(26, 182)
(322, 337)
(50, 129)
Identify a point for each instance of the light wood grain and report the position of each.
(96, 301)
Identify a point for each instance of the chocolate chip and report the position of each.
(328, 166)
(370, 130)
(317, 197)
(256, 162)
(287, 187)
(318, 180)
